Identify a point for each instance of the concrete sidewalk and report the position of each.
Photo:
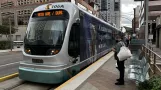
(105, 78)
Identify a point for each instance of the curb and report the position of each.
(10, 51)
(16, 51)
(8, 77)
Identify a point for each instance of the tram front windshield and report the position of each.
(47, 28)
(46, 31)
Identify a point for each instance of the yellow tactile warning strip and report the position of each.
(8, 77)
(82, 75)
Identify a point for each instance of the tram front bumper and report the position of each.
(41, 76)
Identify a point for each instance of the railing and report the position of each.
(151, 56)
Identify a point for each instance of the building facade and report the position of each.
(135, 21)
(111, 12)
(19, 12)
(153, 30)
(158, 32)
(116, 17)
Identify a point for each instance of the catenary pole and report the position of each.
(146, 8)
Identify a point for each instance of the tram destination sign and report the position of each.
(49, 13)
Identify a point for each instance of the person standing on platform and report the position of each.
(124, 40)
(120, 64)
(128, 40)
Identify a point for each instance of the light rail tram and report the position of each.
(61, 40)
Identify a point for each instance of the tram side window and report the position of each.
(74, 41)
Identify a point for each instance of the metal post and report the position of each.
(76, 2)
(146, 17)
(145, 52)
(151, 23)
(10, 33)
(154, 63)
(150, 54)
(0, 17)
(134, 22)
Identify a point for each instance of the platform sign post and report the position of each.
(147, 19)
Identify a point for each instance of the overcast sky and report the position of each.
(127, 11)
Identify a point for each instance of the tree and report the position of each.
(5, 30)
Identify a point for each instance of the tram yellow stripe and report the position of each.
(70, 80)
(8, 77)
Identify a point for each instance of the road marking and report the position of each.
(77, 80)
(8, 77)
(8, 64)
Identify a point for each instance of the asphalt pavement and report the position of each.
(9, 62)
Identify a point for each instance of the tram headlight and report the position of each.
(27, 50)
(54, 51)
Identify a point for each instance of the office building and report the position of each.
(111, 11)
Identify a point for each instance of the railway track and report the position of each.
(33, 86)
(17, 84)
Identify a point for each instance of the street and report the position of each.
(9, 62)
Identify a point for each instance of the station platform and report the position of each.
(105, 78)
(102, 78)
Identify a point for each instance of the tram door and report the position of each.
(93, 51)
(74, 43)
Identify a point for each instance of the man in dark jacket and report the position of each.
(120, 64)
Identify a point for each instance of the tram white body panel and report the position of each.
(60, 67)
(62, 58)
